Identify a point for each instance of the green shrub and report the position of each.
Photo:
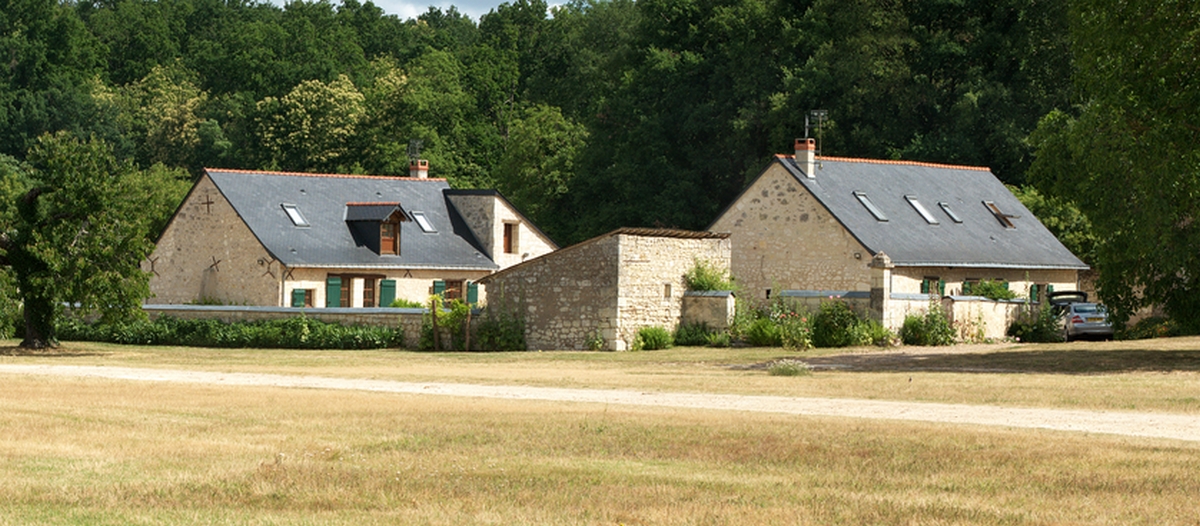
(402, 303)
(763, 332)
(595, 340)
(871, 332)
(833, 324)
(705, 276)
(292, 333)
(450, 323)
(1152, 327)
(500, 331)
(653, 338)
(993, 290)
(1041, 326)
(931, 328)
(718, 339)
(789, 367)
(691, 334)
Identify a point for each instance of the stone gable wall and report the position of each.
(784, 239)
(208, 253)
(486, 216)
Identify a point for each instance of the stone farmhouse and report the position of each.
(811, 226)
(279, 239)
(608, 287)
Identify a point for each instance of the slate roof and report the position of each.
(375, 212)
(328, 242)
(979, 240)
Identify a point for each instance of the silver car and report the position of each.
(1079, 317)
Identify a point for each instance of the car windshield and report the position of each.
(1088, 308)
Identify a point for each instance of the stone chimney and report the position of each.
(806, 156)
(418, 168)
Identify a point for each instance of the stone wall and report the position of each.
(783, 239)
(409, 319)
(208, 253)
(651, 284)
(563, 297)
(712, 308)
(486, 215)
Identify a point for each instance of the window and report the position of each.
(932, 284)
(510, 238)
(920, 208)
(866, 202)
(666, 291)
(1005, 219)
(389, 239)
(303, 297)
(968, 284)
(946, 208)
(293, 213)
(368, 293)
(454, 290)
(424, 223)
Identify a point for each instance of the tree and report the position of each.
(312, 128)
(80, 229)
(1129, 153)
(538, 164)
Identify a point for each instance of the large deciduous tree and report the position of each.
(1129, 154)
(79, 230)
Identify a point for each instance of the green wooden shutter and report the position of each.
(924, 286)
(387, 292)
(967, 288)
(1033, 293)
(439, 287)
(333, 291)
(298, 297)
(472, 293)
(941, 287)
(1049, 288)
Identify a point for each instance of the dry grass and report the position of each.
(1151, 375)
(80, 451)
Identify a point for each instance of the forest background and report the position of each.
(597, 114)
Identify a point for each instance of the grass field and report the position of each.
(91, 451)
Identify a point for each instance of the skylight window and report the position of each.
(423, 221)
(866, 202)
(920, 208)
(946, 208)
(1005, 219)
(293, 213)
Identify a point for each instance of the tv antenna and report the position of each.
(820, 116)
(414, 149)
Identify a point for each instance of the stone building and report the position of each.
(609, 286)
(810, 223)
(321, 240)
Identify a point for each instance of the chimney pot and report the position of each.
(418, 168)
(806, 156)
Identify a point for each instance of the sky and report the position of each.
(406, 9)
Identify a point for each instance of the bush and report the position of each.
(763, 332)
(401, 303)
(705, 276)
(691, 334)
(718, 339)
(789, 367)
(833, 325)
(500, 331)
(993, 290)
(931, 328)
(1152, 327)
(450, 323)
(595, 340)
(653, 339)
(1036, 327)
(871, 332)
(292, 333)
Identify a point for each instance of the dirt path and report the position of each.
(1157, 425)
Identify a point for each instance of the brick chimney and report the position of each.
(806, 156)
(418, 168)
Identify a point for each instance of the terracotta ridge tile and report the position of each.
(886, 161)
(306, 174)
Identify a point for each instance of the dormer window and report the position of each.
(376, 225)
(389, 238)
(293, 213)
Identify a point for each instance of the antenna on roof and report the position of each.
(820, 116)
(414, 149)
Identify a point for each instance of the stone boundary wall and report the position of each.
(712, 308)
(409, 319)
(972, 316)
(976, 316)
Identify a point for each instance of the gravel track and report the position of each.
(1154, 425)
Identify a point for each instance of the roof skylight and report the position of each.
(293, 213)
(946, 208)
(1005, 219)
(423, 221)
(866, 202)
(920, 208)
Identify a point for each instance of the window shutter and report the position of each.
(333, 291)
(967, 287)
(439, 287)
(924, 286)
(387, 292)
(472, 293)
(1033, 293)
(298, 297)
(941, 287)
(1049, 288)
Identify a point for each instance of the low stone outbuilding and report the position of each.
(607, 287)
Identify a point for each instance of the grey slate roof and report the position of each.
(375, 212)
(980, 240)
(258, 197)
